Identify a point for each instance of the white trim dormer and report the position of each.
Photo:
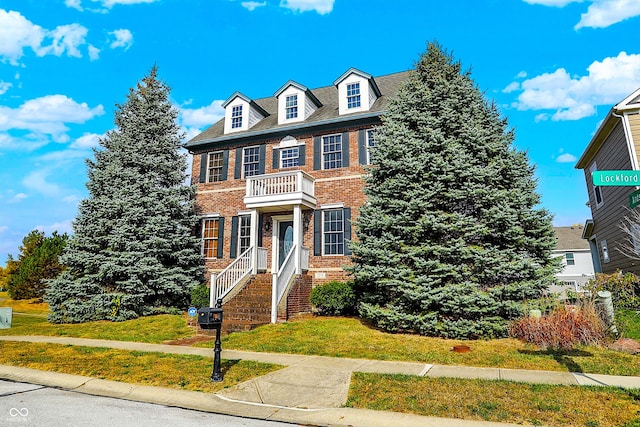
(357, 91)
(241, 113)
(295, 103)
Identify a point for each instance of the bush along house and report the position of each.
(279, 180)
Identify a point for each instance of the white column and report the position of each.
(297, 236)
(212, 290)
(274, 270)
(253, 241)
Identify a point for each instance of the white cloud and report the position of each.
(566, 158)
(75, 4)
(511, 87)
(321, 6)
(61, 227)
(28, 143)
(16, 33)
(4, 87)
(65, 38)
(37, 181)
(86, 141)
(600, 13)
(94, 52)
(554, 3)
(252, 5)
(204, 116)
(110, 3)
(603, 13)
(47, 115)
(123, 38)
(18, 198)
(574, 97)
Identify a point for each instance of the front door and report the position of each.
(285, 240)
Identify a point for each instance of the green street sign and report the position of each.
(634, 199)
(616, 178)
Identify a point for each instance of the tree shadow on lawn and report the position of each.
(562, 357)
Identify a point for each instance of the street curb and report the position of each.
(334, 417)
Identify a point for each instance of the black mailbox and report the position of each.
(210, 317)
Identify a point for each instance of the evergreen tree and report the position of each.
(451, 240)
(37, 261)
(132, 252)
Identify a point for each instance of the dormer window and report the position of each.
(295, 103)
(236, 117)
(241, 113)
(357, 92)
(291, 107)
(353, 95)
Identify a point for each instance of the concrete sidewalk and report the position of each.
(311, 390)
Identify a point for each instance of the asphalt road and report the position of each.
(28, 404)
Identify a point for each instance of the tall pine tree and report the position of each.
(451, 240)
(132, 252)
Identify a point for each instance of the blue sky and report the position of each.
(555, 68)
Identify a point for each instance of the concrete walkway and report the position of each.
(311, 390)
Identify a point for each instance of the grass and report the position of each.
(630, 321)
(184, 372)
(498, 401)
(349, 337)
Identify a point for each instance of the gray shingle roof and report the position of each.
(328, 96)
(568, 238)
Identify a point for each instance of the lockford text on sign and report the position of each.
(616, 178)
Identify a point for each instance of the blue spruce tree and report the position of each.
(133, 252)
(452, 239)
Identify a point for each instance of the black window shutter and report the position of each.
(260, 223)
(317, 233)
(203, 167)
(317, 153)
(276, 159)
(220, 236)
(345, 149)
(225, 165)
(302, 152)
(234, 237)
(263, 158)
(237, 174)
(346, 216)
(362, 147)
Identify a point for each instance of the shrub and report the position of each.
(624, 288)
(563, 328)
(200, 296)
(334, 298)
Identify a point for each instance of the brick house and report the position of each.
(279, 180)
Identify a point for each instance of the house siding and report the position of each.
(613, 155)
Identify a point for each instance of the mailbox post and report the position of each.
(211, 318)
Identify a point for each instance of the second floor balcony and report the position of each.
(278, 190)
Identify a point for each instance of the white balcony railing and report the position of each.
(294, 187)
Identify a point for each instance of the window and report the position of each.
(289, 157)
(236, 117)
(291, 107)
(210, 228)
(353, 95)
(333, 232)
(569, 258)
(250, 161)
(214, 169)
(244, 233)
(332, 151)
(597, 191)
(370, 143)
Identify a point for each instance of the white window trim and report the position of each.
(204, 218)
(281, 165)
(243, 175)
(239, 242)
(208, 177)
(592, 169)
(366, 142)
(324, 210)
(322, 153)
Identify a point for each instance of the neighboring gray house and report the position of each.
(576, 259)
(615, 146)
